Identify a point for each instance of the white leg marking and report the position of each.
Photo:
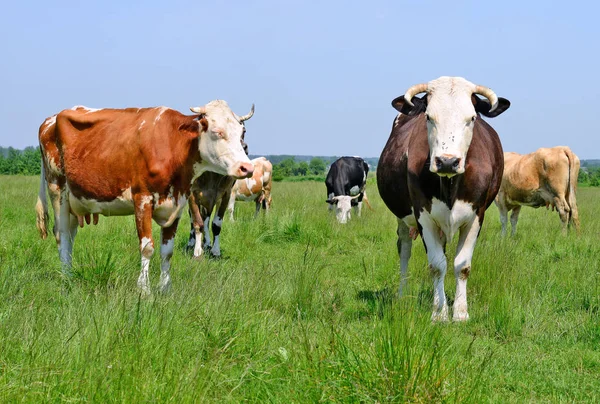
(147, 250)
(462, 268)
(198, 247)
(166, 252)
(437, 265)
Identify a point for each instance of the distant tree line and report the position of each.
(589, 175)
(285, 167)
(25, 162)
(289, 167)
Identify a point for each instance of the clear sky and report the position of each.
(321, 73)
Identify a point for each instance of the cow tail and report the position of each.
(41, 207)
(366, 200)
(572, 187)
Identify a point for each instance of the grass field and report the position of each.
(300, 309)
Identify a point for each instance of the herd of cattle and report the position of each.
(440, 170)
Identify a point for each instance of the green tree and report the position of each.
(316, 166)
(302, 168)
(285, 168)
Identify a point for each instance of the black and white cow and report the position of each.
(439, 171)
(346, 182)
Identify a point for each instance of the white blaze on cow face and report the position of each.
(450, 120)
(342, 208)
(220, 146)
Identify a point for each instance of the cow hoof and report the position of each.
(460, 316)
(164, 287)
(144, 291)
(440, 316)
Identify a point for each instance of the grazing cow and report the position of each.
(546, 177)
(346, 182)
(256, 188)
(208, 191)
(439, 171)
(139, 161)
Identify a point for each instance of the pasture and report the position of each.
(299, 309)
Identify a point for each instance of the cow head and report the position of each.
(451, 109)
(342, 204)
(221, 140)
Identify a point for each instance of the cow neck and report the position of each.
(449, 190)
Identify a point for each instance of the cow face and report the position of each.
(342, 204)
(221, 140)
(451, 110)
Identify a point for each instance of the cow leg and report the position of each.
(231, 205)
(197, 226)
(462, 267)
(216, 231)
(206, 229)
(514, 218)
(67, 229)
(503, 210)
(143, 223)
(257, 211)
(563, 212)
(434, 244)
(167, 242)
(404, 245)
(358, 209)
(218, 223)
(54, 192)
(192, 211)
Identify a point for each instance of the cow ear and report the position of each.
(482, 105)
(420, 105)
(190, 128)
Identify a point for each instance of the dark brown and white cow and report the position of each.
(546, 177)
(209, 191)
(139, 161)
(439, 171)
(256, 188)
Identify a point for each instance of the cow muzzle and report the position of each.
(447, 165)
(242, 170)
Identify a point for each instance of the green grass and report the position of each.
(299, 309)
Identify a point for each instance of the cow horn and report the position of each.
(246, 117)
(414, 90)
(489, 94)
(198, 110)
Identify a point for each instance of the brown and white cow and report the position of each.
(209, 191)
(546, 177)
(256, 188)
(439, 171)
(139, 161)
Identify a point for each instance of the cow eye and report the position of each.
(473, 118)
(427, 117)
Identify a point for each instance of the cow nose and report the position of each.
(246, 170)
(447, 165)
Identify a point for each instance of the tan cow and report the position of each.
(135, 161)
(546, 177)
(256, 188)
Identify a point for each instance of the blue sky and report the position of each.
(322, 74)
